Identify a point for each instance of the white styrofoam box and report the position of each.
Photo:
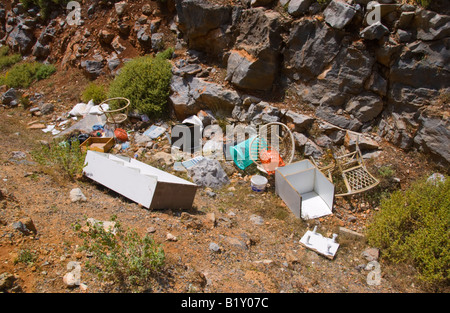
(304, 189)
(138, 181)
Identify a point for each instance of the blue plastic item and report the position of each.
(241, 153)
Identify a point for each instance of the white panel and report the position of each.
(302, 182)
(313, 206)
(296, 167)
(289, 195)
(125, 181)
(324, 188)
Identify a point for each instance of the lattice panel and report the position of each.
(358, 178)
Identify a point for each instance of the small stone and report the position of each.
(371, 254)
(170, 237)
(77, 195)
(214, 247)
(256, 219)
(6, 281)
(151, 230)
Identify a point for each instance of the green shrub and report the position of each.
(121, 256)
(94, 92)
(68, 157)
(413, 225)
(8, 60)
(145, 81)
(26, 256)
(22, 75)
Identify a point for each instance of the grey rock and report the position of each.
(339, 14)
(214, 247)
(434, 137)
(40, 51)
(120, 7)
(254, 62)
(431, 25)
(371, 254)
(365, 107)
(190, 94)
(302, 122)
(10, 95)
(404, 36)
(113, 62)
(203, 24)
(92, 68)
(374, 32)
(6, 281)
(405, 19)
(157, 41)
(209, 173)
(298, 7)
(21, 39)
(377, 84)
(256, 219)
(260, 3)
(47, 108)
(76, 195)
(311, 46)
(311, 149)
(338, 120)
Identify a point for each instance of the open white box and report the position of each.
(304, 189)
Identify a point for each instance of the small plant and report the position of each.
(412, 226)
(145, 82)
(94, 92)
(26, 256)
(22, 75)
(386, 171)
(68, 156)
(121, 256)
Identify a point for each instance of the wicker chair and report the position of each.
(117, 116)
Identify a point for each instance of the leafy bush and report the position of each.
(122, 256)
(95, 92)
(67, 156)
(8, 60)
(24, 74)
(413, 225)
(145, 82)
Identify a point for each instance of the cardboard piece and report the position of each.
(304, 189)
(139, 182)
(100, 144)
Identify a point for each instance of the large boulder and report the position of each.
(351, 67)
(298, 7)
(419, 73)
(310, 48)
(255, 61)
(341, 121)
(431, 25)
(365, 107)
(21, 39)
(434, 137)
(204, 24)
(339, 14)
(191, 94)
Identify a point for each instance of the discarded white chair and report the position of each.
(356, 177)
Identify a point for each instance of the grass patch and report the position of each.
(7, 60)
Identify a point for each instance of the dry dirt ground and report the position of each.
(265, 257)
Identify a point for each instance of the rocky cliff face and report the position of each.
(392, 76)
